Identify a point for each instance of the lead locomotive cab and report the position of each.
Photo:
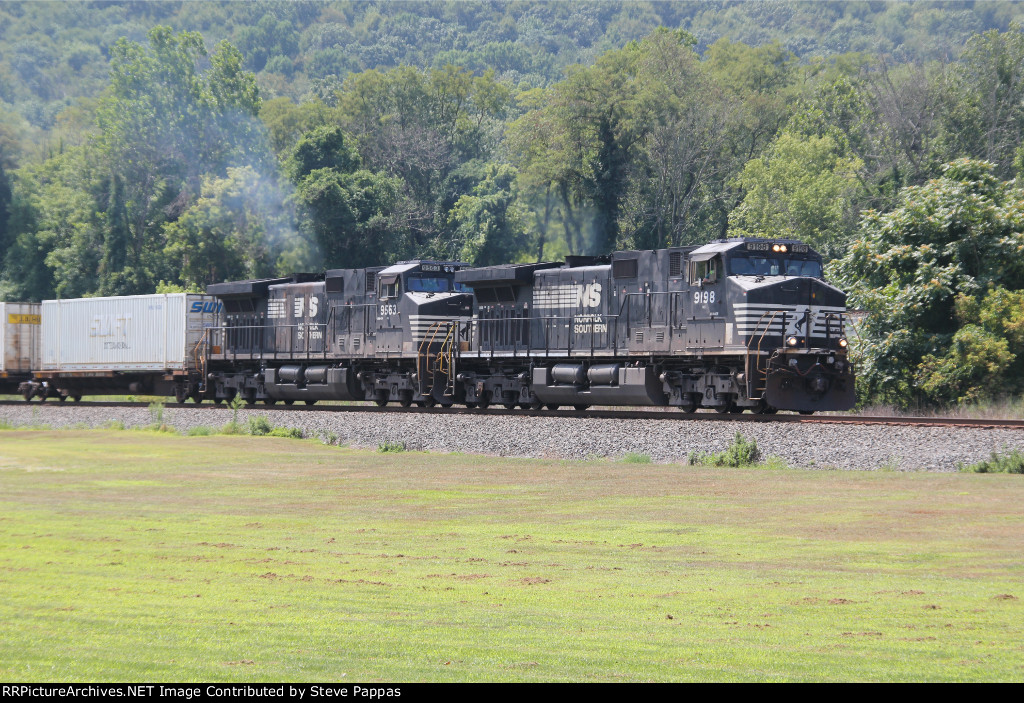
(772, 306)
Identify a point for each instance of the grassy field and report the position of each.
(144, 556)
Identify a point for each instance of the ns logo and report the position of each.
(588, 296)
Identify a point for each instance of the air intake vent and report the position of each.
(675, 264)
(624, 268)
(639, 336)
(371, 281)
(355, 344)
(659, 337)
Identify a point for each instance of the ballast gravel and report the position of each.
(821, 446)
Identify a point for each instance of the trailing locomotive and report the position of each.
(735, 325)
(742, 324)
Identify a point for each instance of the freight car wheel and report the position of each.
(289, 401)
(218, 401)
(806, 412)
(580, 408)
(76, 397)
(62, 398)
(552, 406)
(269, 401)
(427, 402)
(180, 393)
(310, 402)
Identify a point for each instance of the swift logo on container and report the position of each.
(206, 306)
(109, 325)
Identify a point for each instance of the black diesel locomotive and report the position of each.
(739, 324)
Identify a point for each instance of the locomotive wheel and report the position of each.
(580, 408)
(249, 397)
(723, 409)
(380, 402)
(310, 402)
(483, 400)
(62, 398)
(77, 397)
(471, 405)
(806, 412)
(760, 409)
(269, 401)
(736, 409)
(197, 397)
(428, 402)
(552, 406)
(180, 393)
(509, 406)
(770, 410)
(688, 408)
(536, 405)
(289, 401)
(405, 398)
(218, 401)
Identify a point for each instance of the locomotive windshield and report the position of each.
(743, 265)
(432, 284)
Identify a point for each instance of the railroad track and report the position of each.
(592, 413)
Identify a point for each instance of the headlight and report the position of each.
(775, 247)
(843, 342)
(792, 341)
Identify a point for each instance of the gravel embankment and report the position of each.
(816, 446)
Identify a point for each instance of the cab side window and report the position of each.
(704, 271)
(389, 290)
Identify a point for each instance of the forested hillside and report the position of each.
(166, 145)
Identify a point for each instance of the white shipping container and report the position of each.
(19, 337)
(157, 332)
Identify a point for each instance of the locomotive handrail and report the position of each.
(757, 358)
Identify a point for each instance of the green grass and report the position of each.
(145, 556)
(1007, 463)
